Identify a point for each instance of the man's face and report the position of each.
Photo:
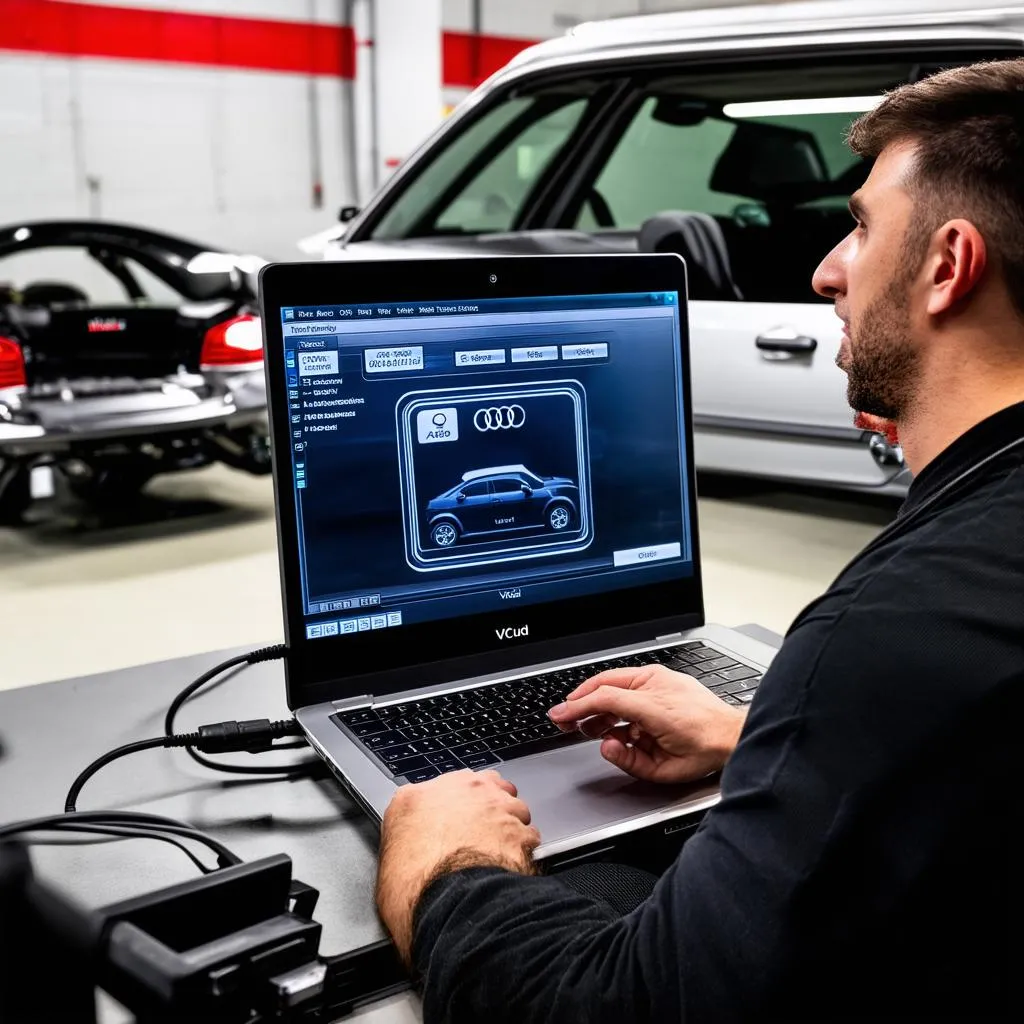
(870, 276)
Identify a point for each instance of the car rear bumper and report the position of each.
(54, 425)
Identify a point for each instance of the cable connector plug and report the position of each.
(255, 736)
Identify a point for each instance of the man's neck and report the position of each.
(960, 399)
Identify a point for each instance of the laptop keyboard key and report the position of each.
(422, 774)
(428, 745)
(465, 750)
(392, 754)
(481, 760)
(351, 718)
(407, 764)
(702, 653)
(717, 664)
(451, 765)
(737, 673)
(419, 732)
(746, 697)
(364, 729)
(383, 739)
(729, 688)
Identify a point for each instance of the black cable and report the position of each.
(125, 832)
(238, 659)
(252, 658)
(254, 736)
(110, 755)
(154, 823)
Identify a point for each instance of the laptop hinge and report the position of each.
(669, 636)
(351, 703)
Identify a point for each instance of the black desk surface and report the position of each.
(51, 731)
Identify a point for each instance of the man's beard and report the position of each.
(882, 370)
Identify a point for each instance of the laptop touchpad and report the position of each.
(574, 790)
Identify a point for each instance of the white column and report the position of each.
(406, 52)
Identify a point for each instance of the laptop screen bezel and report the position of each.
(390, 661)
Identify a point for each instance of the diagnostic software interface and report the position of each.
(452, 458)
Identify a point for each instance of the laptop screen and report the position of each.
(450, 458)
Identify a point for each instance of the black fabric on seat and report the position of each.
(698, 238)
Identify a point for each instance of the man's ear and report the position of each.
(956, 261)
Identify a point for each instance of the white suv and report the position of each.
(716, 134)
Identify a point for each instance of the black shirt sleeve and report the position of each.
(496, 946)
(831, 811)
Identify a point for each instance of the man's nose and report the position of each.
(829, 279)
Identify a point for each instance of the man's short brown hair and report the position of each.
(968, 127)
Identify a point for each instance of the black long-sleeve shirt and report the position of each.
(860, 863)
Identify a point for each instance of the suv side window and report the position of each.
(658, 166)
(476, 489)
(728, 183)
(507, 484)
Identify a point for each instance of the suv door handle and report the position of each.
(786, 341)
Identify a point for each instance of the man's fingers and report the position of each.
(630, 759)
(492, 776)
(598, 725)
(611, 700)
(613, 677)
(520, 810)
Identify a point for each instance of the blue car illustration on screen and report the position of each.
(499, 500)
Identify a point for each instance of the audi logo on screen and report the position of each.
(499, 417)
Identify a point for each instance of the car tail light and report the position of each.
(12, 364)
(235, 342)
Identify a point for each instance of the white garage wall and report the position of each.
(539, 19)
(224, 155)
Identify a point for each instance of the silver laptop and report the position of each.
(485, 494)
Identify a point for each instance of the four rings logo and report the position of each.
(503, 417)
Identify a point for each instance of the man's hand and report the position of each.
(677, 730)
(460, 820)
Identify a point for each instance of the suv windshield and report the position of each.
(479, 182)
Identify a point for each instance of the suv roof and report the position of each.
(475, 474)
(628, 35)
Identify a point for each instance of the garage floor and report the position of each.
(195, 569)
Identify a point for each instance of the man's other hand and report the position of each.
(460, 820)
(676, 729)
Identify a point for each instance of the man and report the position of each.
(859, 864)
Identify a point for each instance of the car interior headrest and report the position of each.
(698, 238)
(765, 161)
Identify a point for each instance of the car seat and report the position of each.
(49, 293)
(698, 238)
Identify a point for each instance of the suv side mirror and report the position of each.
(460, 497)
(527, 489)
(346, 213)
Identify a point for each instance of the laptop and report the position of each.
(485, 494)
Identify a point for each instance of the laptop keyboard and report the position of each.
(421, 739)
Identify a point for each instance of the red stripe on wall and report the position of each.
(91, 30)
(468, 59)
(130, 33)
